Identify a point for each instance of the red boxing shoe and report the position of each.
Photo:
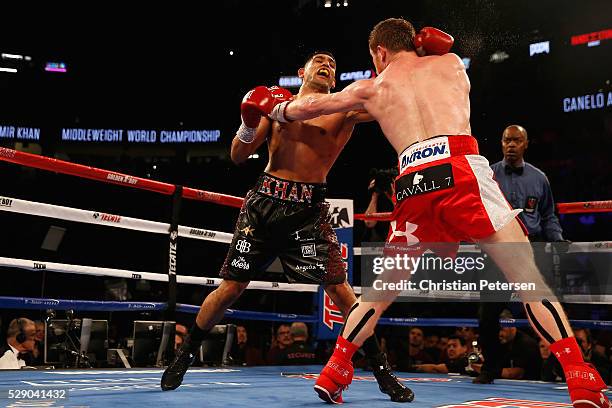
(585, 386)
(337, 373)
(334, 378)
(583, 382)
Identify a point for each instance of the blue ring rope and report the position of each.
(7, 302)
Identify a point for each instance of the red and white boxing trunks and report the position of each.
(445, 192)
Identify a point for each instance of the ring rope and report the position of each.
(574, 247)
(56, 165)
(562, 208)
(110, 220)
(113, 177)
(119, 221)
(32, 265)
(7, 302)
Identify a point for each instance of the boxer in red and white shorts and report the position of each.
(445, 192)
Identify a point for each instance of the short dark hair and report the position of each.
(282, 325)
(319, 52)
(454, 337)
(395, 34)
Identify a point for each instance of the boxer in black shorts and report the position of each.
(285, 215)
(290, 220)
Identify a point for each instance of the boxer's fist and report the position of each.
(259, 102)
(280, 94)
(431, 41)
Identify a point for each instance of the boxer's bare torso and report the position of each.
(306, 150)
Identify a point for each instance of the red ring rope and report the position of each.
(112, 177)
(585, 207)
(563, 208)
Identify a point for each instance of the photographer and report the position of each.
(381, 200)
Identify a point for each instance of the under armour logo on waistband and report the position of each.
(410, 228)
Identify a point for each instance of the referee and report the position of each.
(526, 187)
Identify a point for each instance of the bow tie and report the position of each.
(509, 170)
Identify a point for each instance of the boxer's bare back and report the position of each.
(413, 98)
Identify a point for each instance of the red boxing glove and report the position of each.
(280, 94)
(259, 102)
(431, 41)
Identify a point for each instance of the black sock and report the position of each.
(371, 347)
(196, 336)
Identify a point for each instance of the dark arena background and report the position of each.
(154, 91)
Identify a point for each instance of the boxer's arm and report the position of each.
(359, 116)
(241, 151)
(351, 98)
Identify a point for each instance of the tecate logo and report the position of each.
(172, 266)
(107, 217)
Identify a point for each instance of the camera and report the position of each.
(474, 357)
(383, 179)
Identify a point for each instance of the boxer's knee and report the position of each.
(342, 295)
(229, 291)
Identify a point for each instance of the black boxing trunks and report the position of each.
(289, 220)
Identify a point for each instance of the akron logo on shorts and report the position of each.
(309, 250)
(424, 152)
